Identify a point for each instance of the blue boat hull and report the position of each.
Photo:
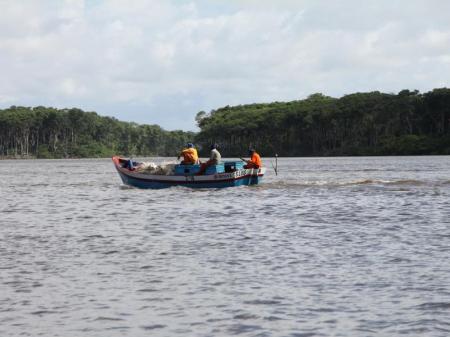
(221, 180)
(153, 184)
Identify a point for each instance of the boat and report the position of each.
(226, 174)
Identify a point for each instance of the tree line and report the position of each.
(374, 123)
(44, 132)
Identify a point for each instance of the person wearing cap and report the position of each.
(189, 154)
(214, 159)
(255, 160)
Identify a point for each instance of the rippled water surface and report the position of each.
(329, 247)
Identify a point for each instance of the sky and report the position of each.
(163, 61)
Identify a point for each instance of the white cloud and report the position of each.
(158, 61)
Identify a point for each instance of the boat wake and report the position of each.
(374, 182)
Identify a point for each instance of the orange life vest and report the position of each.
(190, 156)
(255, 161)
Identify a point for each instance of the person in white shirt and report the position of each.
(215, 156)
(214, 159)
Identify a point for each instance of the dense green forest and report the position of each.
(407, 123)
(72, 133)
(375, 123)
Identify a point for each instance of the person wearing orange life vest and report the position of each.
(255, 160)
(189, 154)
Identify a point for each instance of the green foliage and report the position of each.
(72, 133)
(406, 145)
(43, 152)
(371, 123)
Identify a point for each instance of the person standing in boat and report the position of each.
(189, 154)
(214, 159)
(255, 160)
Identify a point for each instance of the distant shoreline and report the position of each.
(17, 157)
(359, 124)
(160, 156)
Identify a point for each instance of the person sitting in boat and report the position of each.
(189, 154)
(255, 160)
(214, 159)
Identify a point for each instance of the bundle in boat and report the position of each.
(152, 168)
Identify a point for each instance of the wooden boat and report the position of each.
(227, 174)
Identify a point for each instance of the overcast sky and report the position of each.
(161, 61)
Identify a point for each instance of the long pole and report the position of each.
(276, 164)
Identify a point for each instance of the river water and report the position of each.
(329, 247)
